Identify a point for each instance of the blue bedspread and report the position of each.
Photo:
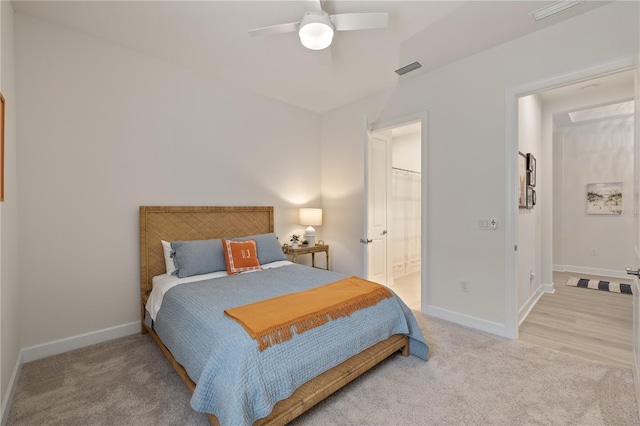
(236, 382)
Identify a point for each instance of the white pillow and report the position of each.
(168, 257)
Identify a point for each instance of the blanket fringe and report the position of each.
(283, 332)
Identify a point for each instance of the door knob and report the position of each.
(365, 242)
(632, 272)
(384, 232)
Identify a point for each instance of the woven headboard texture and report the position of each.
(172, 223)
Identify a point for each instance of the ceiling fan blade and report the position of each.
(275, 29)
(359, 21)
(314, 6)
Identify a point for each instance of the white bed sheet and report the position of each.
(165, 282)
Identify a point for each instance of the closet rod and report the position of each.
(405, 170)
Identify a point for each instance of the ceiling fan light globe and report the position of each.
(316, 32)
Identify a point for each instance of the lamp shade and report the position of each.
(310, 217)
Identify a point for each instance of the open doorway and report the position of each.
(586, 141)
(396, 245)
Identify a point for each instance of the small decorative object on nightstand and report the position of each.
(312, 250)
(295, 240)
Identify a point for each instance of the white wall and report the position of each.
(466, 162)
(611, 237)
(529, 220)
(342, 181)
(405, 152)
(104, 130)
(9, 285)
(596, 154)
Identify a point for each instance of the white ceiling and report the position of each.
(602, 83)
(619, 82)
(210, 37)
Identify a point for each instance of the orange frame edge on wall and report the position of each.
(1, 148)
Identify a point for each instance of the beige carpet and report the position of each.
(472, 378)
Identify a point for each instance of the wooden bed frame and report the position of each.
(172, 223)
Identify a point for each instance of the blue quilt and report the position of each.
(236, 382)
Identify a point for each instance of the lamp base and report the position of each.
(310, 235)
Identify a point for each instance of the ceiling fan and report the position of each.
(317, 27)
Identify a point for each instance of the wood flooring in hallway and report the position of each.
(588, 323)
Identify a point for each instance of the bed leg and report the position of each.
(213, 420)
(405, 349)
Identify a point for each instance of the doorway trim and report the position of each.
(424, 231)
(511, 151)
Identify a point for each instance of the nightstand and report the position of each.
(318, 248)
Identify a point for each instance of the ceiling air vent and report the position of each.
(408, 68)
(554, 9)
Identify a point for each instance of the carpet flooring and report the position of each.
(471, 378)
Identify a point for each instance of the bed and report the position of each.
(170, 223)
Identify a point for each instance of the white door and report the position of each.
(377, 171)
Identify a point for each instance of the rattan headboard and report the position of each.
(172, 223)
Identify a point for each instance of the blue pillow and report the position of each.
(269, 249)
(198, 257)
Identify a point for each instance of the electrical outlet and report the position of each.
(464, 286)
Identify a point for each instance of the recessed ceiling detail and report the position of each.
(620, 109)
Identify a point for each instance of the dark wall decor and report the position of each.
(531, 170)
(522, 180)
(526, 180)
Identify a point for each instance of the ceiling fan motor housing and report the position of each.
(316, 31)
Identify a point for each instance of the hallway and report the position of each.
(591, 324)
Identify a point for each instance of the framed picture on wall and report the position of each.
(522, 180)
(533, 203)
(531, 170)
(604, 198)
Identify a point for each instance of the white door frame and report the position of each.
(511, 173)
(401, 121)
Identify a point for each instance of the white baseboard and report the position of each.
(56, 347)
(528, 306)
(468, 321)
(11, 390)
(614, 273)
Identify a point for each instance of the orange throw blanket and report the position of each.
(273, 321)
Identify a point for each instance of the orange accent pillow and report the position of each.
(240, 256)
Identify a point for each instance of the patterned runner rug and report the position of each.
(600, 285)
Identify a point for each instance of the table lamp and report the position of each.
(310, 218)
